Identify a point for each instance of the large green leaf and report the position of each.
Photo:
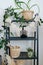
(41, 20)
(11, 33)
(16, 9)
(37, 7)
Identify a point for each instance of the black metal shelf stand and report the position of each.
(23, 55)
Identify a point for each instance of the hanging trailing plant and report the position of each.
(10, 11)
(3, 41)
(27, 13)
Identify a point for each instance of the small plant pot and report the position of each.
(28, 15)
(14, 51)
(30, 54)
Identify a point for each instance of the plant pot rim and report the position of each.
(27, 11)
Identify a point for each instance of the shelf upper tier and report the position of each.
(19, 38)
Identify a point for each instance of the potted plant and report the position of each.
(26, 13)
(3, 41)
(30, 52)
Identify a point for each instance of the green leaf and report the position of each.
(41, 20)
(11, 33)
(24, 3)
(20, 2)
(1, 47)
(29, 49)
(1, 31)
(28, 1)
(16, 8)
(39, 23)
(37, 7)
(2, 37)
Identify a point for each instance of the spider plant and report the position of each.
(20, 3)
(27, 13)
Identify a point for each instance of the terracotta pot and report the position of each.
(27, 14)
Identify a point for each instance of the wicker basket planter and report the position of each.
(14, 51)
(20, 62)
(27, 14)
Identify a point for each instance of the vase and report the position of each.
(23, 33)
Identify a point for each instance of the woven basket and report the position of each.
(14, 51)
(27, 14)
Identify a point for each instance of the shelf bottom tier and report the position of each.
(24, 56)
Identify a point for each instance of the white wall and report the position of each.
(41, 44)
(6, 3)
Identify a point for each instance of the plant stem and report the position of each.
(16, 8)
(27, 6)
